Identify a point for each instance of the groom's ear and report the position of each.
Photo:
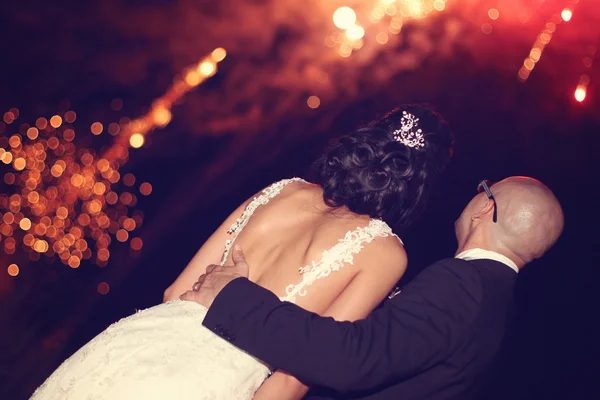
(488, 207)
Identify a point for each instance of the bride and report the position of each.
(327, 247)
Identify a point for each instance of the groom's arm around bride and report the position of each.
(405, 337)
(437, 339)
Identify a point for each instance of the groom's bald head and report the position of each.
(530, 220)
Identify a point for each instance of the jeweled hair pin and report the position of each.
(409, 133)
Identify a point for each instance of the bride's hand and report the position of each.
(211, 283)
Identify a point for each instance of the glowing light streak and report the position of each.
(581, 90)
(65, 203)
(566, 15)
(133, 133)
(542, 40)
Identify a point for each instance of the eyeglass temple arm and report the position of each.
(490, 196)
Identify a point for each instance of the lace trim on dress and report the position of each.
(336, 257)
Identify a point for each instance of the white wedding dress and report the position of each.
(164, 352)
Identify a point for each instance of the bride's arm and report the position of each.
(210, 253)
(281, 386)
(380, 267)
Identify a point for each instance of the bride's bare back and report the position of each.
(292, 231)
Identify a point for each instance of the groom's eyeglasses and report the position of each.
(484, 186)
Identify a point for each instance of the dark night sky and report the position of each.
(249, 126)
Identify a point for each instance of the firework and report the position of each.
(64, 201)
(71, 202)
(385, 17)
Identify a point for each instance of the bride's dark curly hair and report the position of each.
(373, 174)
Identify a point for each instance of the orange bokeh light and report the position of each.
(9, 117)
(70, 117)
(580, 94)
(8, 218)
(13, 270)
(207, 68)
(62, 212)
(19, 164)
(112, 198)
(99, 188)
(129, 180)
(355, 32)
(94, 206)
(219, 54)
(344, 17)
(77, 180)
(136, 244)
(25, 224)
(439, 5)
(114, 128)
(56, 121)
(161, 116)
(41, 246)
(7, 157)
(15, 141)
(382, 38)
(103, 288)
(129, 224)
(193, 78)
(122, 235)
(145, 188)
(103, 254)
(313, 102)
(97, 128)
(41, 123)
(69, 135)
(74, 262)
(32, 133)
(136, 140)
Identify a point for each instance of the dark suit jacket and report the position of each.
(437, 339)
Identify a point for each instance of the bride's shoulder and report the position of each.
(289, 185)
(384, 253)
(294, 189)
(388, 244)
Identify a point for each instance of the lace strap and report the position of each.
(266, 195)
(336, 257)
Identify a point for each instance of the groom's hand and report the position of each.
(211, 283)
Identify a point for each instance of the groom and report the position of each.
(437, 339)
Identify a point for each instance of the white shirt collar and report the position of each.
(478, 254)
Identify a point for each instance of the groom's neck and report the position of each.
(483, 245)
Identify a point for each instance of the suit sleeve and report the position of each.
(411, 333)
